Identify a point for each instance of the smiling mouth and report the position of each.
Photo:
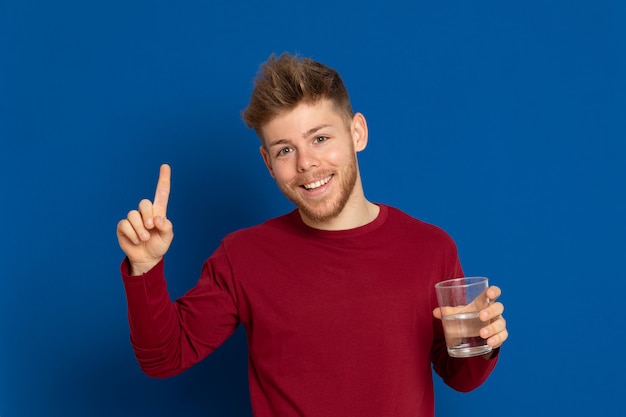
(317, 184)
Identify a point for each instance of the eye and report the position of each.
(320, 139)
(284, 151)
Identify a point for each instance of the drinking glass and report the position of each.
(460, 300)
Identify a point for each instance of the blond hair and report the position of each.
(284, 82)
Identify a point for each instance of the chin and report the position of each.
(321, 214)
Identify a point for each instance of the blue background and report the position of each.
(501, 121)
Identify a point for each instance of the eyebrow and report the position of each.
(313, 130)
(309, 132)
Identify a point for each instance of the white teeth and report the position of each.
(316, 184)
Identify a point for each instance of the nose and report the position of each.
(306, 160)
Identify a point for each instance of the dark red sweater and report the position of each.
(339, 323)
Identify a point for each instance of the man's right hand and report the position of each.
(146, 234)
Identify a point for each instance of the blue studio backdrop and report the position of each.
(503, 122)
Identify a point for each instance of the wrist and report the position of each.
(140, 268)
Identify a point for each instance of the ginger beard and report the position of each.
(328, 207)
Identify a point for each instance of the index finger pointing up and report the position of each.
(162, 193)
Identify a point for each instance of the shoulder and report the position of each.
(267, 230)
(407, 224)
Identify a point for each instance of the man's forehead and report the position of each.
(301, 121)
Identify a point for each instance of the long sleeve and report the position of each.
(461, 374)
(169, 337)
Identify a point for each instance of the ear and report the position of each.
(266, 158)
(359, 132)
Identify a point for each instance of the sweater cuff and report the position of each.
(156, 271)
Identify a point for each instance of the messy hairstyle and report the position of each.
(284, 82)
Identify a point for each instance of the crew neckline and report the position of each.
(340, 234)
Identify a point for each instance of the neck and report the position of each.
(348, 219)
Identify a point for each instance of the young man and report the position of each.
(337, 297)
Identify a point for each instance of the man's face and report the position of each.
(311, 153)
